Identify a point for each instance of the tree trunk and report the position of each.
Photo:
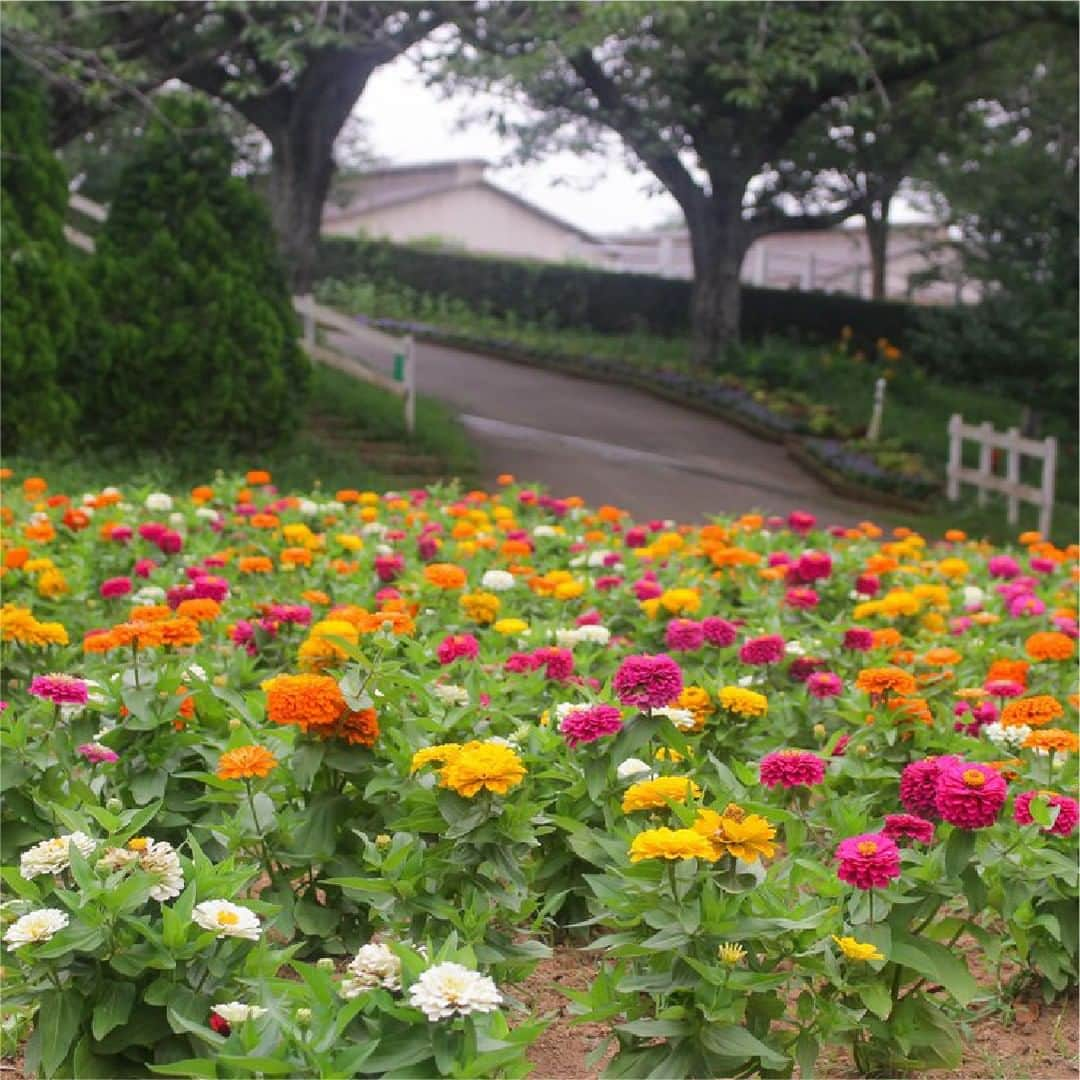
(302, 127)
(877, 239)
(718, 242)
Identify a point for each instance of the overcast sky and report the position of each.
(409, 123)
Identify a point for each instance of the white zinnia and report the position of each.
(683, 719)
(374, 965)
(545, 530)
(497, 580)
(52, 856)
(160, 859)
(567, 639)
(973, 597)
(451, 694)
(307, 507)
(451, 989)
(1007, 738)
(632, 767)
(373, 528)
(227, 920)
(236, 1012)
(149, 594)
(594, 634)
(158, 501)
(598, 559)
(35, 927)
(206, 513)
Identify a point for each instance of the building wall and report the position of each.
(475, 218)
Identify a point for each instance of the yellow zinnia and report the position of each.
(736, 833)
(743, 702)
(481, 607)
(670, 844)
(857, 950)
(510, 626)
(656, 794)
(441, 754)
(482, 765)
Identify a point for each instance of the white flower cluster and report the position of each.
(148, 594)
(547, 531)
(35, 927)
(591, 635)
(683, 719)
(374, 965)
(450, 693)
(236, 1012)
(1006, 738)
(497, 580)
(159, 502)
(227, 920)
(450, 989)
(155, 857)
(632, 768)
(52, 856)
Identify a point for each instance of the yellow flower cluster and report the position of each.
(481, 607)
(736, 833)
(743, 702)
(656, 794)
(473, 767)
(670, 844)
(857, 950)
(18, 624)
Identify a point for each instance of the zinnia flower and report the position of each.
(719, 632)
(373, 966)
(450, 989)
(36, 927)
(53, 856)
(868, 861)
(1052, 740)
(59, 689)
(588, 725)
(684, 635)
(858, 639)
(918, 786)
(878, 681)
(1067, 817)
(743, 702)
(1050, 645)
(791, 768)
(857, 950)
(730, 953)
(902, 826)
(480, 766)
(246, 762)
(1034, 711)
(670, 844)
(309, 701)
(969, 796)
(96, 754)
(648, 681)
(824, 684)
(226, 919)
(762, 650)
(736, 833)
(235, 1012)
(656, 794)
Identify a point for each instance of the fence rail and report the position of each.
(314, 316)
(985, 480)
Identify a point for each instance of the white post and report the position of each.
(410, 384)
(813, 271)
(1049, 475)
(985, 432)
(952, 489)
(1012, 474)
(873, 431)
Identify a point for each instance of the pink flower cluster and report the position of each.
(1068, 811)
(791, 768)
(965, 794)
(649, 682)
(60, 689)
(558, 663)
(457, 647)
(868, 861)
(588, 725)
(762, 650)
(902, 826)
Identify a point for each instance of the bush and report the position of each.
(46, 301)
(599, 300)
(205, 339)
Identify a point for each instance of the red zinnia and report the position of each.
(900, 826)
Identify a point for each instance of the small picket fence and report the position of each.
(985, 480)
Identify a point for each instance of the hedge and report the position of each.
(599, 300)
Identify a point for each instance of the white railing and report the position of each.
(314, 316)
(984, 479)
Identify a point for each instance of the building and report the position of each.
(452, 202)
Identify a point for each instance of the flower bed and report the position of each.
(301, 785)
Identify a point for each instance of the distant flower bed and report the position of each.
(880, 466)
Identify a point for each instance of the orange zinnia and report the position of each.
(1055, 739)
(257, 476)
(878, 681)
(246, 762)
(150, 613)
(305, 700)
(199, 608)
(445, 575)
(942, 657)
(1009, 671)
(180, 632)
(1033, 711)
(358, 728)
(256, 564)
(1049, 645)
(887, 638)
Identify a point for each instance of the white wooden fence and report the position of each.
(984, 478)
(314, 316)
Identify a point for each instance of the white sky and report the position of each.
(408, 123)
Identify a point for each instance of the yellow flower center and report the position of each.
(139, 843)
(973, 778)
(733, 812)
(868, 847)
(227, 918)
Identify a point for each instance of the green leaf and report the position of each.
(316, 838)
(203, 1068)
(958, 851)
(400, 1053)
(737, 1042)
(265, 1065)
(877, 999)
(113, 1007)
(1041, 812)
(655, 1029)
(58, 1022)
(316, 920)
(807, 1049)
(937, 963)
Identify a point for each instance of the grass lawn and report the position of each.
(353, 436)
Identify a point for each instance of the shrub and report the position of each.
(204, 340)
(45, 299)
(603, 301)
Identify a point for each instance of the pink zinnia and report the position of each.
(389, 567)
(801, 522)
(520, 662)
(901, 826)
(810, 566)
(650, 682)
(1042, 566)
(918, 786)
(867, 584)
(121, 533)
(1068, 811)
(145, 567)
(824, 684)
(59, 689)
(1003, 688)
(802, 667)
(868, 861)
(1028, 604)
(1003, 566)
(719, 632)
(558, 662)
(588, 725)
(684, 635)
(291, 613)
(647, 589)
(969, 796)
(858, 639)
(801, 599)
(791, 768)
(97, 754)
(115, 586)
(637, 537)
(170, 542)
(457, 647)
(152, 531)
(762, 650)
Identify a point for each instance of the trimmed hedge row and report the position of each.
(603, 301)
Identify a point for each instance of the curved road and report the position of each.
(612, 444)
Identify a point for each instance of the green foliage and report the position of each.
(573, 297)
(204, 339)
(46, 303)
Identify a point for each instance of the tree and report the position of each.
(294, 70)
(708, 97)
(204, 341)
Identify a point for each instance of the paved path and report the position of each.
(614, 444)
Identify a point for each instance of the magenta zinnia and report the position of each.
(59, 689)
(1068, 811)
(762, 650)
(969, 796)
(588, 725)
(918, 786)
(649, 682)
(868, 861)
(790, 768)
(902, 826)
